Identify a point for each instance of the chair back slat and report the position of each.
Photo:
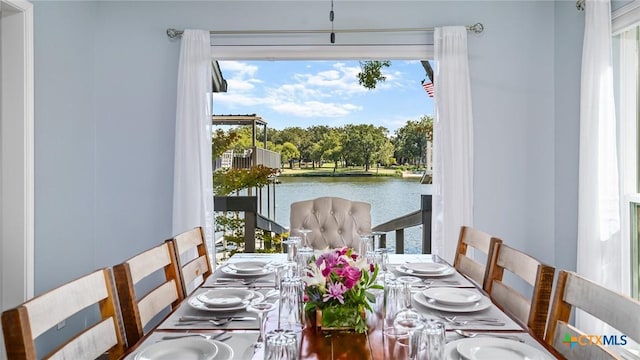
(157, 300)
(562, 344)
(472, 269)
(92, 343)
(512, 301)
(149, 262)
(23, 324)
(138, 308)
(532, 311)
(87, 291)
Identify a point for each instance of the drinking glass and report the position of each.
(260, 309)
(304, 255)
(366, 245)
(291, 305)
(292, 251)
(393, 301)
(305, 243)
(394, 344)
(433, 341)
(277, 273)
(292, 247)
(281, 345)
(410, 321)
(381, 258)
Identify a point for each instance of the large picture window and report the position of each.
(626, 45)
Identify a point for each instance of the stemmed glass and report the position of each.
(366, 245)
(277, 273)
(304, 232)
(408, 320)
(292, 252)
(261, 308)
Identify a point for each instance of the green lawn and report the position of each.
(327, 170)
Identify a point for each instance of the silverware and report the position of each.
(208, 337)
(468, 334)
(189, 318)
(470, 318)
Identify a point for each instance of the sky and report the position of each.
(308, 93)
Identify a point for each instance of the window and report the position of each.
(626, 45)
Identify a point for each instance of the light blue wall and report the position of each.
(105, 106)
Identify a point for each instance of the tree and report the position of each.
(288, 153)
(411, 140)
(362, 142)
(332, 147)
(298, 137)
(371, 73)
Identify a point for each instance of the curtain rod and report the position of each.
(173, 33)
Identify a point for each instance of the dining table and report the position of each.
(236, 330)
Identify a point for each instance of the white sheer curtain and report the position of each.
(192, 178)
(452, 141)
(599, 255)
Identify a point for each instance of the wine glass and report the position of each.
(261, 308)
(366, 245)
(292, 247)
(277, 273)
(410, 321)
(304, 232)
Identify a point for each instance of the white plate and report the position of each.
(227, 269)
(427, 267)
(488, 348)
(403, 270)
(248, 267)
(189, 348)
(225, 352)
(452, 296)
(484, 303)
(195, 303)
(224, 297)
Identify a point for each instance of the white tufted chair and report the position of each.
(335, 222)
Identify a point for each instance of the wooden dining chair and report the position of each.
(617, 310)
(532, 311)
(94, 292)
(464, 263)
(154, 269)
(194, 264)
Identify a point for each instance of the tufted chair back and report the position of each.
(335, 222)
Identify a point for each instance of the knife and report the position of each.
(188, 318)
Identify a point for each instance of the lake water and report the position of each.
(390, 197)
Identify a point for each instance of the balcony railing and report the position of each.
(419, 217)
(254, 156)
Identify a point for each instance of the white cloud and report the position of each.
(315, 108)
(238, 69)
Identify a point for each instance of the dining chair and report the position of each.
(334, 222)
(194, 263)
(464, 263)
(157, 269)
(92, 293)
(617, 310)
(532, 311)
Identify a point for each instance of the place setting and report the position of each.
(463, 308)
(243, 273)
(433, 274)
(216, 308)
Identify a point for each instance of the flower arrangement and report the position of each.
(339, 280)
